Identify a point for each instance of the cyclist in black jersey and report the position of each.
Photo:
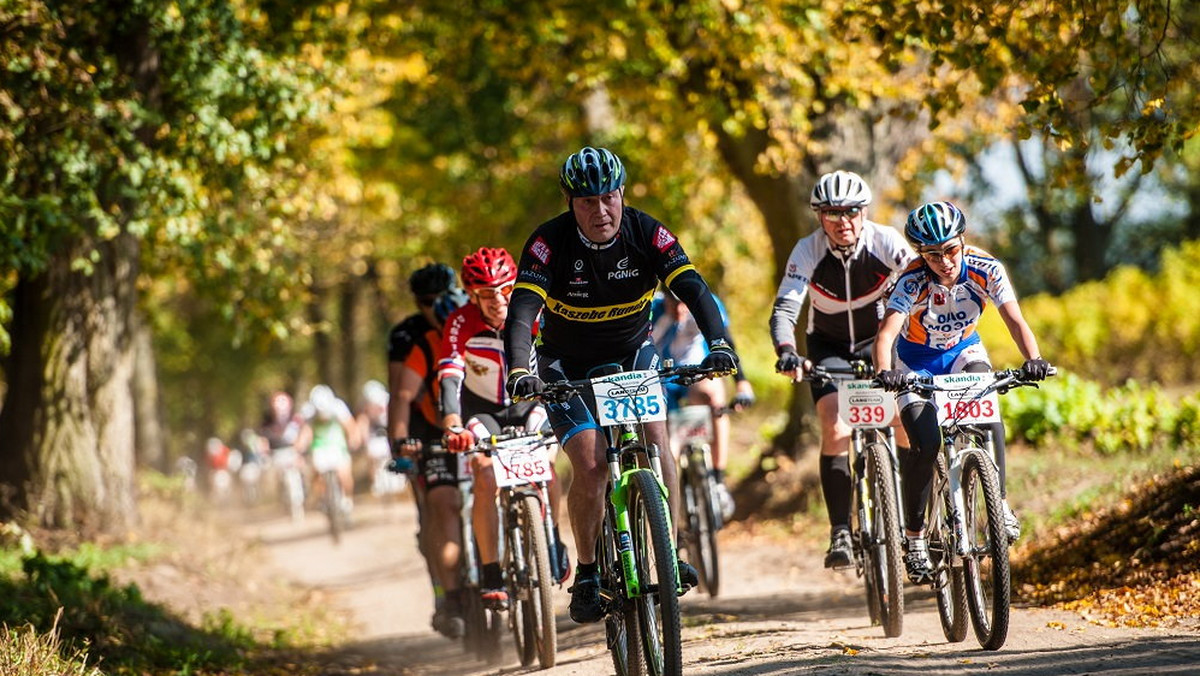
(845, 269)
(592, 272)
(414, 423)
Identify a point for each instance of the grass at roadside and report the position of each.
(74, 608)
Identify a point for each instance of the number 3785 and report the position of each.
(632, 407)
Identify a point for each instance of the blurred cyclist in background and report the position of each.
(328, 435)
(677, 337)
(414, 424)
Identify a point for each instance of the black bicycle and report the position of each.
(877, 528)
(703, 515)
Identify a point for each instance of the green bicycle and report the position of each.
(638, 563)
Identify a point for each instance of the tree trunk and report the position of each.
(68, 426)
(148, 433)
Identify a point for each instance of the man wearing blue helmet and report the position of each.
(931, 320)
(592, 272)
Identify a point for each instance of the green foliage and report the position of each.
(1132, 324)
(1129, 418)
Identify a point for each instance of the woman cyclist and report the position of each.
(934, 311)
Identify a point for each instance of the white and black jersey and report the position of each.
(847, 287)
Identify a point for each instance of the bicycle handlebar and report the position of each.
(1004, 381)
(855, 370)
(559, 391)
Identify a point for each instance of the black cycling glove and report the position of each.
(522, 384)
(720, 359)
(891, 380)
(1035, 369)
(788, 360)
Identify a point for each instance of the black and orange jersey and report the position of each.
(414, 343)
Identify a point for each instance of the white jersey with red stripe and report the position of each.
(940, 317)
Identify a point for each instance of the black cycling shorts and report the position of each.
(825, 352)
(575, 414)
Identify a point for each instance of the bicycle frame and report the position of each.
(623, 445)
(956, 445)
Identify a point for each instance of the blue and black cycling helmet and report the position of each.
(591, 172)
(432, 280)
(934, 223)
(448, 302)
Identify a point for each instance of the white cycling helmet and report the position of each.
(376, 393)
(840, 190)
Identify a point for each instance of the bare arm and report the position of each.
(405, 385)
(889, 330)
(1021, 334)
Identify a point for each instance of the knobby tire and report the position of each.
(658, 605)
(948, 584)
(540, 616)
(886, 560)
(699, 501)
(987, 572)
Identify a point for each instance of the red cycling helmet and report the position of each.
(488, 267)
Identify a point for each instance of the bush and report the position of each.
(1131, 417)
(1131, 325)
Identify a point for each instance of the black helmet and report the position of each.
(432, 280)
(591, 172)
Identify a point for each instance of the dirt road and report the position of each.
(779, 613)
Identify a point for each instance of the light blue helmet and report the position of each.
(934, 223)
(591, 172)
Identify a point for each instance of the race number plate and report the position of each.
(523, 463)
(632, 396)
(963, 402)
(863, 406)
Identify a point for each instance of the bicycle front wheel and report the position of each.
(986, 567)
(334, 507)
(538, 596)
(948, 584)
(884, 560)
(658, 602)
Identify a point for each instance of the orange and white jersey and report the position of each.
(940, 317)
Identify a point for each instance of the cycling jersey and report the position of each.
(847, 288)
(940, 317)
(330, 449)
(597, 296)
(413, 342)
(472, 360)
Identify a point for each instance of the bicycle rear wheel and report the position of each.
(519, 577)
(986, 567)
(701, 538)
(620, 622)
(538, 596)
(881, 543)
(658, 574)
(948, 584)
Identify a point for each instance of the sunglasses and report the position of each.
(491, 292)
(943, 253)
(837, 214)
